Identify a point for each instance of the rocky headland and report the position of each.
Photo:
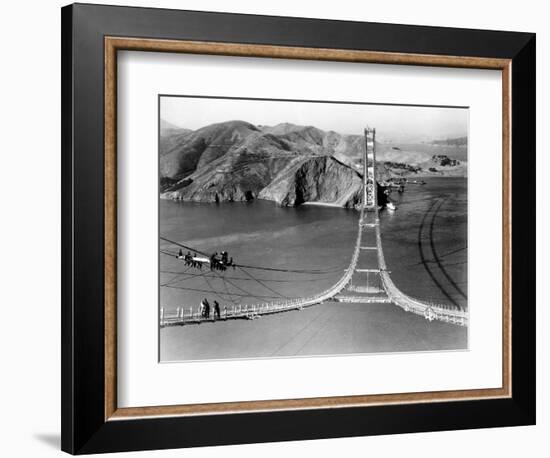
(286, 163)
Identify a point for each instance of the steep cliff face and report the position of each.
(289, 181)
(239, 176)
(318, 179)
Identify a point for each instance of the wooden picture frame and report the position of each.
(91, 420)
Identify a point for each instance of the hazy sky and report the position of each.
(397, 123)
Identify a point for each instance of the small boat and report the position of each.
(390, 206)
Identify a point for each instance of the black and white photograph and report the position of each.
(307, 228)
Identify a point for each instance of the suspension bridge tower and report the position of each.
(365, 283)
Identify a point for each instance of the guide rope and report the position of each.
(272, 269)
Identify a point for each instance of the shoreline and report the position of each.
(323, 204)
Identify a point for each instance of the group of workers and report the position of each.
(190, 259)
(205, 309)
(217, 262)
(221, 262)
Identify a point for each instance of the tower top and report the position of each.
(369, 130)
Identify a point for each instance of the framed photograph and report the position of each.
(280, 228)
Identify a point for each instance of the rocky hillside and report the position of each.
(184, 153)
(315, 179)
(286, 163)
(443, 165)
